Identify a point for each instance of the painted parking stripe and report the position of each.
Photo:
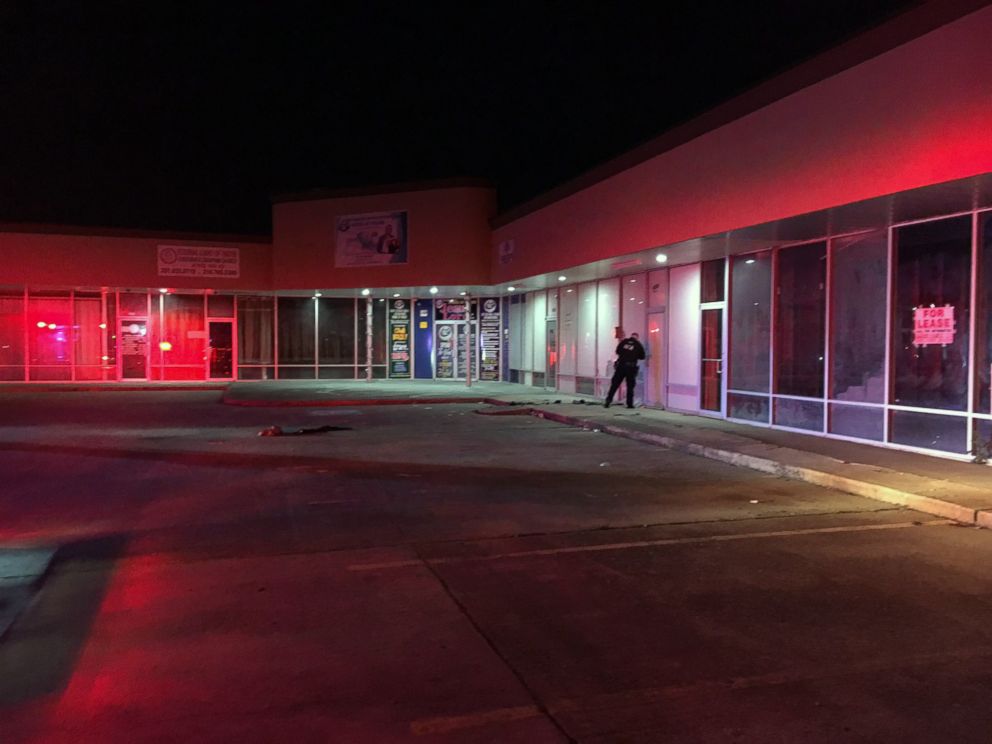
(648, 544)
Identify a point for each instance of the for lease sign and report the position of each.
(933, 325)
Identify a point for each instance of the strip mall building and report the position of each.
(814, 255)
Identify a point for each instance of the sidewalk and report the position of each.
(946, 488)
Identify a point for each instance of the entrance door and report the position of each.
(449, 350)
(220, 351)
(134, 349)
(711, 360)
(551, 378)
(655, 367)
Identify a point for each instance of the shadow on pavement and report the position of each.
(38, 654)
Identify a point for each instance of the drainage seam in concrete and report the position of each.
(876, 491)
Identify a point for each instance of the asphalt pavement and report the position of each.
(428, 573)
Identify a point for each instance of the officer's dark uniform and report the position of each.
(629, 351)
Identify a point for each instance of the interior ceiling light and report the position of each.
(749, 261)
(316, 295)
(164, 291)
(433, 290)
(661, 258)
(463, 293)
(396, 294)
(511, 289)
(366, 292)
(562, 278)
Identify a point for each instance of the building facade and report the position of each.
(815, 255)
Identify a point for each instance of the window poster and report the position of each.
(399, 339)
(489, 328)
(374, 239)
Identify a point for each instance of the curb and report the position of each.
(878, 492)
(113, 388)
(259, 403)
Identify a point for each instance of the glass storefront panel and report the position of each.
(748, 407)
(711, 282)
(929, 431)
(134, 304)
(568, 313)
(607, 326)
(296, 325)
(861, 422)
(799, 414)
(49, 320)
(220, 306)
(983, 320)
(11, 335)
(336, 330)
(378, 335)
(800, 320)
(179, 348)
(931, 314)
(634, 306)
(585, 355)
(857, 318)
(88, 335)
(750, 322)
(256, 331)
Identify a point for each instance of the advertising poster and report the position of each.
(489, 328)
(444, 361)
(399, 339)
(450, 309)
(192, 261)
(375, 239)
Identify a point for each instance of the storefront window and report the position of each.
(296, 341)
(256, 336)
(930, 431)
(857, 318)
(49, 336)
(983, 321)
(931, 315)
(711, 281)
(11, 335)
(750, 322)
(336, 330)
(88, 335)
(180, 338)
(378, 335)
(800, 320)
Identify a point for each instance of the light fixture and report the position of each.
(103, 325)
(381, 299)
(42, 324)
(316, 295)
(633, 281)
(463, 293)
(366, 292)
(165, 346)
(569, 289)
(661, 258)
(432, 290)
(749, 261)
(51, 326)
(396, 294)
(562, 278)
(164, 291)
(511, 289)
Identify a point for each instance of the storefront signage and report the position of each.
(399, 339)
(450, 309)
(933, 325)
(201, 262)
(374, 239)
(489, 327)
(444, 362)
(506, 249)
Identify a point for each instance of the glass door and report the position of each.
(551, 379)
(655, 365)
(220, 352)
(134, 349)
(711, 361)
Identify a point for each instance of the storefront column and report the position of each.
(368, 339)
(468, 340)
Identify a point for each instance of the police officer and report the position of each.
(629, 352)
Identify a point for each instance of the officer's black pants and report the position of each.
(626, 374)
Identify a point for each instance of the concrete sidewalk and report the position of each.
(943, 487)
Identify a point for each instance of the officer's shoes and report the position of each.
(630, 406)
(606, 404)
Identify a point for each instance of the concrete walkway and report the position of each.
(946, 488)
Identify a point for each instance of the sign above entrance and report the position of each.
(199, 262)
(374, 239)
(933, 325)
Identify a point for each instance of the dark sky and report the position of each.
(188, 115)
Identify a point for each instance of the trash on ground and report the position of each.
(278, 431)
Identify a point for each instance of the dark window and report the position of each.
(750, 322)
(800, 320)
(336, 330)
(296, 343)
(983, 322)
(932, 276)
(711, 281)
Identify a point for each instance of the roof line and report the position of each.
(386, 188)
(888, 35)
(115, 232)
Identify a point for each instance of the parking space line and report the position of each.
(648, 544)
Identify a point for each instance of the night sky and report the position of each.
(189, 115)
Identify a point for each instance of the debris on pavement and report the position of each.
(278, 431)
